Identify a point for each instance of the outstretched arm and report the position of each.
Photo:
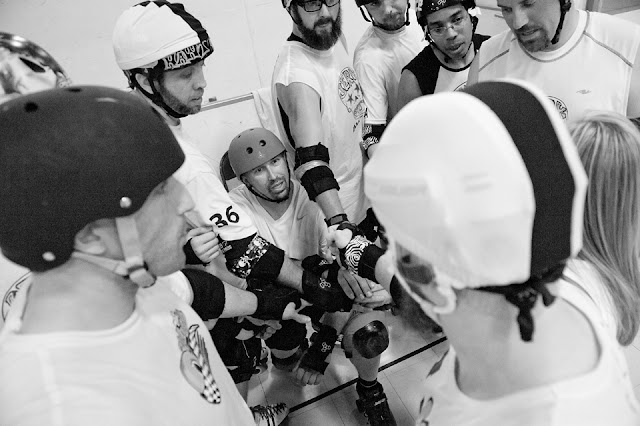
(302, 105)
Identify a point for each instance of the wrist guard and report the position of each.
(322, 343)
(324, 294)
(371, 134)
(318, 265)
(272, 300)
(360, 255)
(336, 220)
(254, 257)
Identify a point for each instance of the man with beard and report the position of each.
(444, 64)
(285, 216)
(581, 60)
(384, 48)
(321, 109)
(161, 48)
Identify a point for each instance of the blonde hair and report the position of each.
(609, 147)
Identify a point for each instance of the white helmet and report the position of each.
(494, 204)
(26, 67)
(156, 36)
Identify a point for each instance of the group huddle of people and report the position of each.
(485, 187)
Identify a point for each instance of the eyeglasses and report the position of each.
(457, 25)
(316, 5)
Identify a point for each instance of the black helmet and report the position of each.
(425, 8)
(71, 156)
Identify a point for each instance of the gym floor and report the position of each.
(404, 366)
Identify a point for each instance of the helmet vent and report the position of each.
(249, 150)
(74, 90)
(262, 142)
(31, 107)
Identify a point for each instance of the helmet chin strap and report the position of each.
(375, 24)
(133, 266)
(565, 5)
(257, 194)
(155, 96)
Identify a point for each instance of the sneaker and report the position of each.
(269, 415)
(373, 403)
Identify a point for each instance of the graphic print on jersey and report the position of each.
(561, 107)
(10, 295)
(194, 363)
(351, 95)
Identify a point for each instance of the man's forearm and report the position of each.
(330, 204)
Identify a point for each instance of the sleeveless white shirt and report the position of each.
(330, 73)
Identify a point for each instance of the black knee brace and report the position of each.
(290, 336)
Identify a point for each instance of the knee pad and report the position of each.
(239, 356)
(242, 364)
(365, 333)
(290, 336)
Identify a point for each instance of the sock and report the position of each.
(367, 383)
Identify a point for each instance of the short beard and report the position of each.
(319, 41)
(284, 196)
(173, 102)
(537, 45)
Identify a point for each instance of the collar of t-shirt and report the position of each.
(294, 37)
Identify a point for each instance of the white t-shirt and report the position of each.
(604, 396)
(331, 75)
(212, 202)
(298, 231)
(159, 367)
(592, 71)
(378, 60)
(581, 273)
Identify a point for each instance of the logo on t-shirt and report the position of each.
(10, 295)
(560, 106)
(351, 94)
(460, 87)
(194, 362)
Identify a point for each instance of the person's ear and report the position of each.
(94, 238)
(143, 81)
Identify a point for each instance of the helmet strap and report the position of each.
(155, 96)
(375, 24)
(565, 5)
(133, 266)
(257, 194)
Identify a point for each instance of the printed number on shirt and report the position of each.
(220, 221)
